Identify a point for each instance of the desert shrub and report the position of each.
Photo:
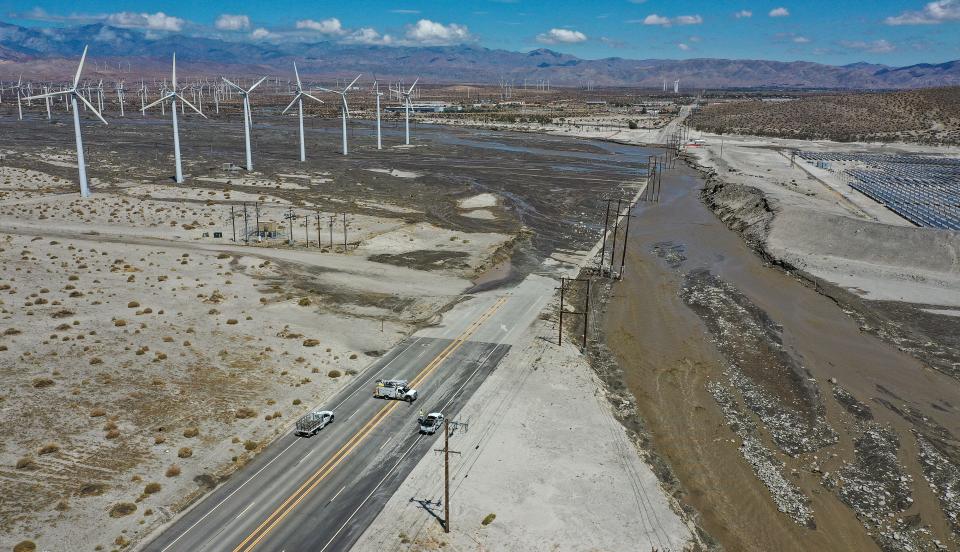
(24, 546)
(185, 452)
(40, 383)
(97, 412)
(334, 373)
(151, 488)
(159, 440)
(122, 509)
(231, 321)
(191, 432)
(296, 402)
(96, 360)
(311, 342)
(113, 434)
(48, 448)
(488, 519)
(119, 322)
(173, 471)
(304, 302)
(249, 444)
(243, 413)
(26, 463)
(91, 489)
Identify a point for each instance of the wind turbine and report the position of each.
(378, 93)
(19, 93)
(406, 107)
(173, 97)
(247, 123)
(344, 108)
(298, 99)
(74, 94)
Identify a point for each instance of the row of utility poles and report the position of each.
(622, 213)
(290, 217)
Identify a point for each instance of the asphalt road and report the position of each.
(319, 494)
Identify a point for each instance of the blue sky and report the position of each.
(837, 32)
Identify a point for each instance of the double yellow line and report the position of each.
(311, 483)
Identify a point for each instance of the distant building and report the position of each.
(424, 107)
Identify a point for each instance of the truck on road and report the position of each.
(394, 389)
(311, 423)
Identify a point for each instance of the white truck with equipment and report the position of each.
(394, 389)
(310, 424)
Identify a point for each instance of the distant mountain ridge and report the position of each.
(49, 52)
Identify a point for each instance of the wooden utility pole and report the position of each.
(319, 245)
(626, 233)
(613, 247)
(447, 428)
(585, 312)
(246, 231)
(603, 248)
(233, 222)
(330, 222)
(344, 232)
(257, 207)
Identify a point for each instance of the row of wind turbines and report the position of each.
(74, 93)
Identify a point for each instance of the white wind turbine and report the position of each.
(298, 99)
(19, 93)
(378, 93)
(74, 94)
(406, 107)
(173, 96)
(247, 122)
(344, 108)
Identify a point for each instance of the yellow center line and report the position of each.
(297, 496)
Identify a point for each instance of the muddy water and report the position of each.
(668, 357)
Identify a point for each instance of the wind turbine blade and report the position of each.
(90, 106)
(297, 73)
(47, 95)
(307, 94)
(231, 84)
(256, 85)
(295, 98)
(76, 79)
(162, 99)
(190, 105)
(349, 86)
(174, 77)
(412, 85)
(327, 90)
(346, 108)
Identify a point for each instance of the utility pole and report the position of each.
(584, 313)
(246, 231)
(257, 205)
(448, 426)
(616, 226)
(233, 222)
(344, 232)
(330, 222)
(603, 248)
(290, 216)
(306, 230)
(626, 233)
(319, 245)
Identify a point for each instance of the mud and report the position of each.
(731, 360)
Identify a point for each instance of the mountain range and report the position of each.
(50, 53)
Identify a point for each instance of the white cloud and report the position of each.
(227, 22)
(779, 12)
(153, 21)
(683, 47)
(654, 19)
(694, 38)
(260, 34)
(403, 11)
(330, 26)
(367, 35)
(800, 40)
(431, 33)
(875, 47)
(931, 14)
(743, 14)
(564, 36)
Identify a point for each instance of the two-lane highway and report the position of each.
(319, 494)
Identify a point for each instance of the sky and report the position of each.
(836, 32)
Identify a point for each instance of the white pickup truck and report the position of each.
(394, 389)
(310, 424)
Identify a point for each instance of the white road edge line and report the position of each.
(228, 496)
(375, 489)
(305, 456)
(390, 438)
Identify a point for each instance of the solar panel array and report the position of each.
(924, 190)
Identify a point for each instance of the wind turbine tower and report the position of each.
(74, 94)
(378, 93)
(406, 108)
(298, 99)
(173, 96)
(247, 120)
(344, 108)
(676, 86)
